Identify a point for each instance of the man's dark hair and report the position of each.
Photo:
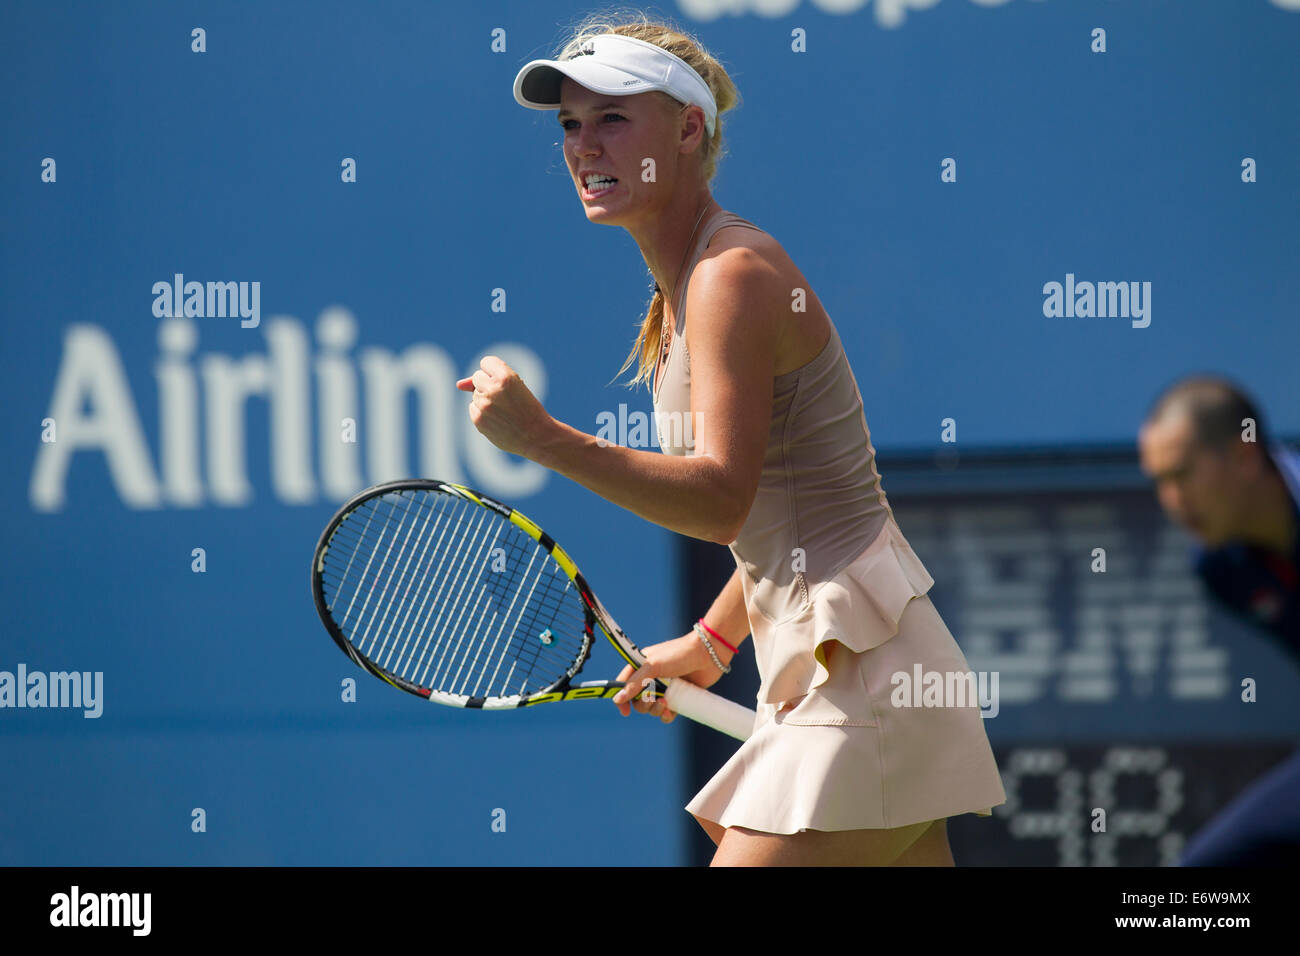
(1216, 408)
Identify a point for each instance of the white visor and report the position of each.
(620, 66)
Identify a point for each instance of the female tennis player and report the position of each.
(775, 460)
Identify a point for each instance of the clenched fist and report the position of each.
(504, 411)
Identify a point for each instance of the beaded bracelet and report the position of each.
(722, 640)
(703, 635)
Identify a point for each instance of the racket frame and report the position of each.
(564, 688)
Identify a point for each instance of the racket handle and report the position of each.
(725, 716)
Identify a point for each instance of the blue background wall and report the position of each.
(221, 690)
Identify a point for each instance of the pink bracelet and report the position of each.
(722, 640)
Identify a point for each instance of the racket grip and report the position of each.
(725, 716)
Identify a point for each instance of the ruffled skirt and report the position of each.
(859, 749)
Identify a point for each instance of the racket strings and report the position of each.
(452, 597)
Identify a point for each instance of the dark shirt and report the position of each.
(1254, 582)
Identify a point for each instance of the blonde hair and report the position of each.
(663, 33)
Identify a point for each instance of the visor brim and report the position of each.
(538, 84)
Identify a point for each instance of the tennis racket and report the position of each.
(452, 596)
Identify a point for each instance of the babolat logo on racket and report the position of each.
(479, 498)
(573, 693)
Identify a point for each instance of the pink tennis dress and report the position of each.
(837, 604)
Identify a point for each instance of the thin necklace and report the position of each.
(664, 334)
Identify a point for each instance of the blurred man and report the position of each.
(1218, 475)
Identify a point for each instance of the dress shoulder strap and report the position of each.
(720, 220)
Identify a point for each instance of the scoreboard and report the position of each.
(1155, 796)
(1125, 697)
